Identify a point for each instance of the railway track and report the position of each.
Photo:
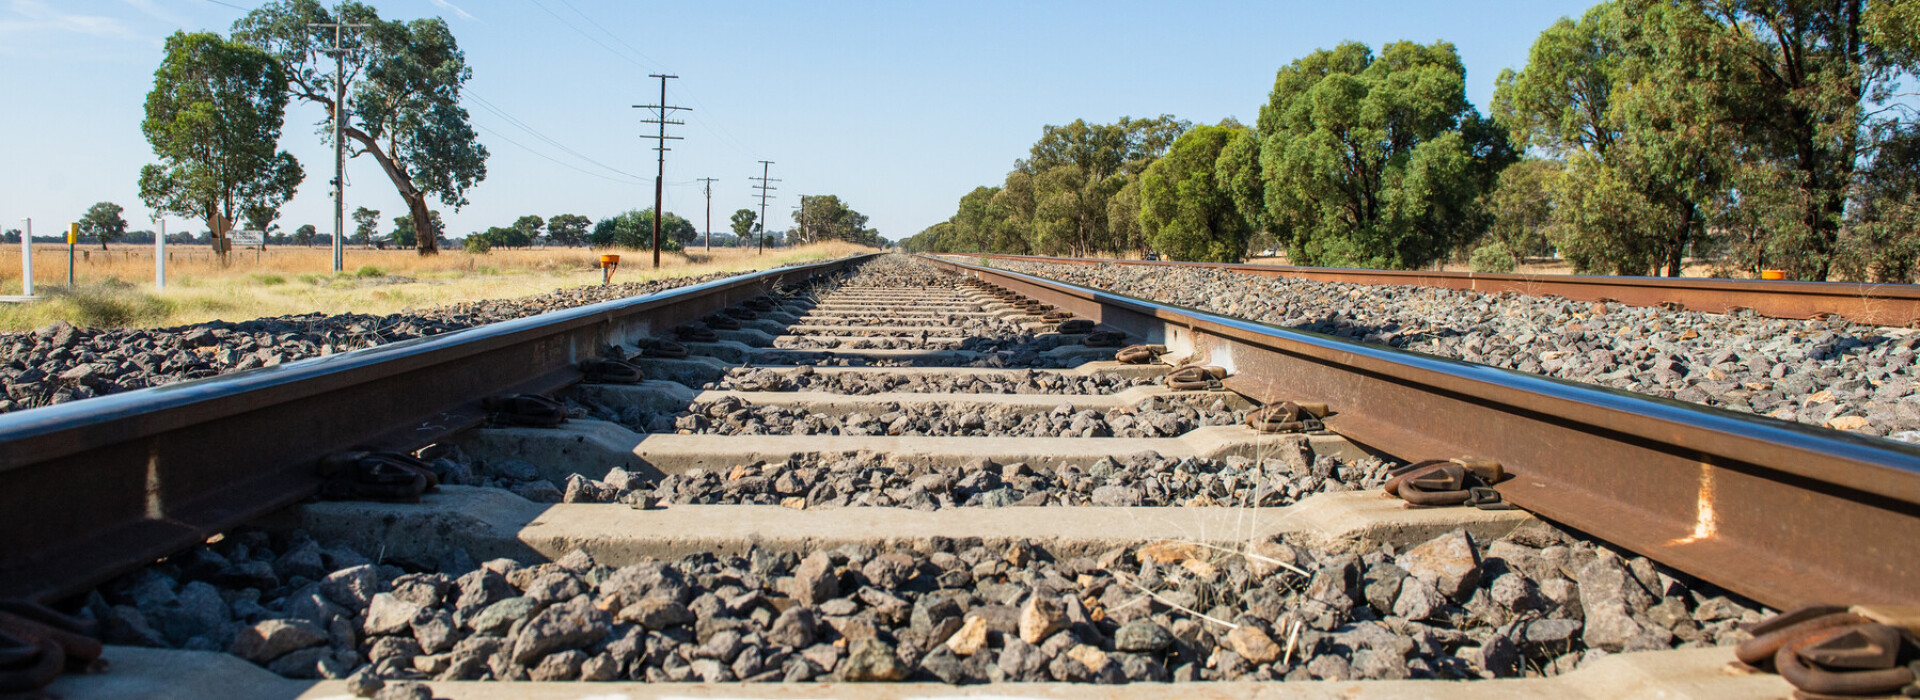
(1876, 304)
(904, 469)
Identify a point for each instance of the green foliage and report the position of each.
(478, 243)
(744, 224)
(1798, 74)
(213, 118)
(529, 227)
(1375, 162)
(103, 222)
(1494, 256)
(269, 279)
(404, 230)
(568, 229)
(1185, 211)
(369, 271)
(634, 229)
(404, 109)
(366, 223)
(305, 234)
(825, 217)
(1885, 241)
(1521, 205)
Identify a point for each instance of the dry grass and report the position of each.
(115, 288)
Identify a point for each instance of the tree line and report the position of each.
(1756, 135)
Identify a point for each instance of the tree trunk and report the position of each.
(1677, 247)
(424, 240)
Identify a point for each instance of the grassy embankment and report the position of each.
(115, 288)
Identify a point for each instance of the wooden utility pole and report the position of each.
(659, 179)
(339, 53)
(709, 185)
(764, 189)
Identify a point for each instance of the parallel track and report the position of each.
(1877, 304)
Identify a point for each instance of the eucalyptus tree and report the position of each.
(1375, 161)
(104, 223)
(1186, 211)
(404, 108)
(214, 118)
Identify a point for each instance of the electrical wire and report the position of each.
(483, 103)
(556, 161)
(713, 127)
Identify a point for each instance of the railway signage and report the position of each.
(249, 237)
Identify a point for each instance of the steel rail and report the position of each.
(1876, 304)
(92, 488)
(1783, 513)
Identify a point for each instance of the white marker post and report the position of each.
(160, 258)
(26, 259)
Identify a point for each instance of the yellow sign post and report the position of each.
(73, 236)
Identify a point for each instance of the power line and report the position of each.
(647, 62)
(555, 161)
(765, 165)
(603, 30)
(662, 111)
(483, 103)
(583, 32)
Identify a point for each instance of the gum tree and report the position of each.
(404, 107)
(214, 118)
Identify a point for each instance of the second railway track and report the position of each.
(921, 470)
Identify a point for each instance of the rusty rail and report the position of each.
(92, 488)
(1876, 304)
(1780, 512)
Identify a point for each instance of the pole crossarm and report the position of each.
(660, 146)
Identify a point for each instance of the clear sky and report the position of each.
(897, 107)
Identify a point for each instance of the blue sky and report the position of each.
(897, 107)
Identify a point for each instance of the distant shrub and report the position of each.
(1492, 257)
(478, 244)
(369, 271)
(108, 307)
(269, 279)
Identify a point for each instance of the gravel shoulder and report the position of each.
(60, 362)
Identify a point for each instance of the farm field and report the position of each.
(114, 288)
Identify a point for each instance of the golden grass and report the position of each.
(115, 288)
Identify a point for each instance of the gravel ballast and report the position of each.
(1535, 603)
(1831, 372)
(805, 379)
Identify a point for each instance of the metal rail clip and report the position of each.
(695, 334)
(741, 313)
(1450, 482)
(1196, 378)
(1104, 339)
(1289, 417)
(610, 371)
(722, 322)
(1139, 354)
(664, 349)
(37, 643)
(1831, 650)
(375, 476)
(530, 410)
(1073, 326)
